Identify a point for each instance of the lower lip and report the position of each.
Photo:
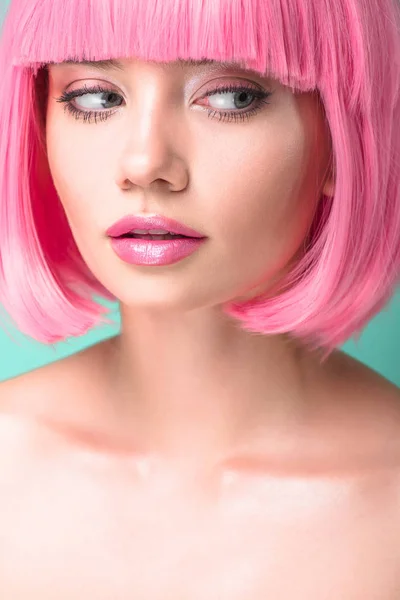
(136, 251)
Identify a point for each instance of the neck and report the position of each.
(195, 384)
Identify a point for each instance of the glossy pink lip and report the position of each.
(129, 222)
(148, 252)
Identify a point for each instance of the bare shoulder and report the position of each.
(41, 388)
(34, 403)
(26, 396)
(361, 409)
(62, 391)
(347, 375)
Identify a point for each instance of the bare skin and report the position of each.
(187, 458)
(311, 513)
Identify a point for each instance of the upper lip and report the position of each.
(129, 222)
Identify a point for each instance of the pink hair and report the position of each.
(348, 50)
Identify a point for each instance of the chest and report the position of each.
(71, 532)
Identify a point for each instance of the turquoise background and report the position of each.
(378, 347)
(3, 7)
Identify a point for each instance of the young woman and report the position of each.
(228, 171)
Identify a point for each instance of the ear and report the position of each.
(329, 186)
(329, 183)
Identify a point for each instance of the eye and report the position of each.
(99, 100)
(92, 100)
(97, 103)
(235, 98)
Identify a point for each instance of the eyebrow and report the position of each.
(106, 65)
(102, 65)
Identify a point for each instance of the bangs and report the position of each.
(274, 37)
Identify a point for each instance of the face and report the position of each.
(245, 168)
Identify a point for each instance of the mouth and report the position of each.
(155, 237)
(150, 249)
(151, 227)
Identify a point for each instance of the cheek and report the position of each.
(75, 169)
(261, 187)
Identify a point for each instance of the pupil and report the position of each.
(241, 95)
(112, 97)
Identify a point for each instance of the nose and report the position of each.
(149, 157)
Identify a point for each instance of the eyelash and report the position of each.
(96, 116)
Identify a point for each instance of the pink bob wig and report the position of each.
(346, 50)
